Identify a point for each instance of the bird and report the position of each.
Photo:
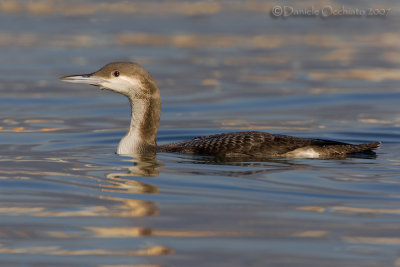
(136, 83)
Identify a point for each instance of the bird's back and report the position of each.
(264, 145)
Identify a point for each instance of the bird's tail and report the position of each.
(342, 150)
(363, 147)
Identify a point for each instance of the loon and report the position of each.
(133, 81)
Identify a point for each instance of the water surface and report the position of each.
(68, 200)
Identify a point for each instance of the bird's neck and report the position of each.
(145, 119)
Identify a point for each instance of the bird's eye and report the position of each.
(116, 73)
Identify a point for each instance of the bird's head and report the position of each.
(127, 78)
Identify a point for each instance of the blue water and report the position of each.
(66, 198)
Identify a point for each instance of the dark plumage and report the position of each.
(262, 145)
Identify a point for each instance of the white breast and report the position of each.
(129, 145)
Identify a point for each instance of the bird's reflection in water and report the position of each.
(125, 182)
(227, 167)
(143, 166)
(247, 166)
(89, 213)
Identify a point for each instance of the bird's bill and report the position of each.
(85, 79)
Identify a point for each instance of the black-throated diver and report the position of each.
(133, 81)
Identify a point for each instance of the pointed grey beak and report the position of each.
(85, 79)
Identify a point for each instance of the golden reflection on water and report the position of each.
(312, 233)
(287, 125)
(29, 126)
(114, 182)
(24, 130)
(56, 250)
(42, 7)
(372, 240)
(200, 40)
(122, 209)
(350, 210)
(119, 208)
(375, 75)
(346, 48)
(140, 231)
(242, 60)
(277, 76)
(355, 211)
(342, 55)
(170, 7)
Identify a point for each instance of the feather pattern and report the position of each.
(264, 145)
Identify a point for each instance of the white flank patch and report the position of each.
(304, 152)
